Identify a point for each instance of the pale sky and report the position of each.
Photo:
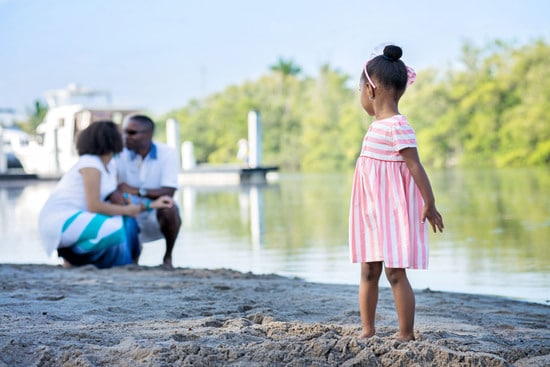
(157, 55)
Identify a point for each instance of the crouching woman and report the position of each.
(78, 221)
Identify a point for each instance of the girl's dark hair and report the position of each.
(101, 137)
(388, 69)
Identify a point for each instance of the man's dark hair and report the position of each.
(101, 137)
(143, 120)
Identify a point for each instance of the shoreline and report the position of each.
(148, 316)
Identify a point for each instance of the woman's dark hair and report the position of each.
(388, 69)
(101, 137)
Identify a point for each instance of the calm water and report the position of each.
(496, 239)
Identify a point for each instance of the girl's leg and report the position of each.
(368, 296)
(404, 302)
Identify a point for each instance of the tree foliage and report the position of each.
(36, 116)
(488, 111)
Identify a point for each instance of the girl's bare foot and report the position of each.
(365, 334)
(405, 338)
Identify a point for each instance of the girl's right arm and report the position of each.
(410, 156)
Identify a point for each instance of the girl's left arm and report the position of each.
(410, 156)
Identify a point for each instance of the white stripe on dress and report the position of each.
(386, 205)
(73, 232)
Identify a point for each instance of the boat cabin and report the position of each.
(52, 151)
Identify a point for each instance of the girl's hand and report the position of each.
(162, 202)
(430, 212)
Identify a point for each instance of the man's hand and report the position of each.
(124, 187)
(163, 202)
(118, 197)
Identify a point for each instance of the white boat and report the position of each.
(11, 138)
(52, 151)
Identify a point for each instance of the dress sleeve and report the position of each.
(90, 161)
(108, 179)
(403, 136)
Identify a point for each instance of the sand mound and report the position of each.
(141, 316)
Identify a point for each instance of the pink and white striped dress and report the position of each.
(386, 205)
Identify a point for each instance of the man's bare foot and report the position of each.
(67, 264)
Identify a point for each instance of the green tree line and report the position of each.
(492, 111)
(488, 110)
(310, 124)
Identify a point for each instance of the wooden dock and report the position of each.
(225, 175)
(10, 176)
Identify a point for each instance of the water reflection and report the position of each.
(20, 203)
(502, 217)
(250, 206)
(495, 240)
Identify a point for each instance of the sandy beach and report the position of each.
(148, 316)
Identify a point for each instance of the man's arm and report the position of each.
(161, 191)
(146, 193)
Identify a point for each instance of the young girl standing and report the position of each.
(391, 195)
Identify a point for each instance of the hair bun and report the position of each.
(392, 52)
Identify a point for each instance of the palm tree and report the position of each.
(286, 67)
(36, 115)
